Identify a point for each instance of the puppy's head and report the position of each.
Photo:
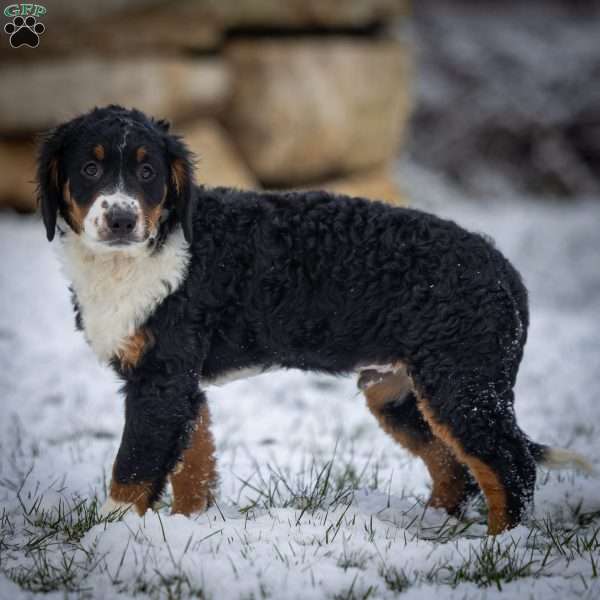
(117, 178)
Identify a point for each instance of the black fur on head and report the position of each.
(112, 138)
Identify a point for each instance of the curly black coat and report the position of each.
(317, 281)
(329, 283)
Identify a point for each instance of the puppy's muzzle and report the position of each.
(121, 224)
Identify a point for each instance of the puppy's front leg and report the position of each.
(161, 414)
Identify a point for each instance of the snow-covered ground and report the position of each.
(280, 531)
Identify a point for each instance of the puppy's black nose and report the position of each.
(120, 221)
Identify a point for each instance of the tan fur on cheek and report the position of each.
(75, 213)
(140, 153)
(152, 218)
(152, 215)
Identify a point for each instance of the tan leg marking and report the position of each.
(449, 480)
(446, 472)
(134, 347)
(488, 480)
(194, 478)
(381, 388)
(137, 494)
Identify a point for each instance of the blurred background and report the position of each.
(266, 93)
(495, 96)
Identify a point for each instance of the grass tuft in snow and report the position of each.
(171, 587)
(48, 540)
(41, 547)
(494, 564)
(323, 485)
(354, 593)
(396, 579)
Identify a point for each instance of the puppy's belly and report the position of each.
(235, 374)
(368, 374)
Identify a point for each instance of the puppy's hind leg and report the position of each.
(476, 419)
(391, 399)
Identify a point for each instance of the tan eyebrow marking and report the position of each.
(141, 153)
(99, 152)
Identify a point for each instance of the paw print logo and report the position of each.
(24, 32)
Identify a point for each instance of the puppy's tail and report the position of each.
(560, 458)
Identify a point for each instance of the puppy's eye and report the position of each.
(91, 170)
(145, 172)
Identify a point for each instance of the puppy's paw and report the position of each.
(114, 509)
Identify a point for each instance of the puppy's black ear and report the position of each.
(162, 124)
(181, 189)
(49, 184)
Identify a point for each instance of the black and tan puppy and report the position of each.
(177, 285)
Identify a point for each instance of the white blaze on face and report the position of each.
(95, 225)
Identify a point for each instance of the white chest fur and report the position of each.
(117, 292)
